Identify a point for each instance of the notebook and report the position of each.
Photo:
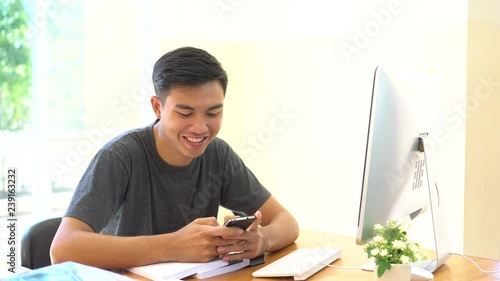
(233, 266)
(175, 270)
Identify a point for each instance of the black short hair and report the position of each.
(186, 66)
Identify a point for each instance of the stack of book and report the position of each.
(180, 270)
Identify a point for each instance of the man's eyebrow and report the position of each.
(220, 105)
(183, 106)
(187, 107)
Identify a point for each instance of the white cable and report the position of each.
(474, 263)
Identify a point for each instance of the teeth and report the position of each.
(194, 139)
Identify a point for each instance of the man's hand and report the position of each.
(199, 241)
(249, 243)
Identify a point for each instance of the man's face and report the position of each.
(189, 120)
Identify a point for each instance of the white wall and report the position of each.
(481, 231)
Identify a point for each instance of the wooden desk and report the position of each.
(456, 268)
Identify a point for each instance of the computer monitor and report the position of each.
(400, 180)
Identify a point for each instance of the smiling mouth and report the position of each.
(195, 140)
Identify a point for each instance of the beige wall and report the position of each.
(482, 183)
(114, 66)
(290, 62)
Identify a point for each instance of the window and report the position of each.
(16, 107)
(41, 89)
(68, 85)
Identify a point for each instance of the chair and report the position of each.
(36, 241)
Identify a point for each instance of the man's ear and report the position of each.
(156, 104)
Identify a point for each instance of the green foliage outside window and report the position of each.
(15, 67)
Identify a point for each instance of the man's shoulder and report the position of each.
(219, 142)
(218, 146)
(219, 149)
(130, 140)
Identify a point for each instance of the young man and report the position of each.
(152, 194)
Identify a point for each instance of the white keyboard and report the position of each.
(300, 264)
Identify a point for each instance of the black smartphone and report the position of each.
(241, 222)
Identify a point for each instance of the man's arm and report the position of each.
(197, 242)
(278, 230)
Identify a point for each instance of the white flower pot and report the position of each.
(398, 272)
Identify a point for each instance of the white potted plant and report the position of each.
(393, 252)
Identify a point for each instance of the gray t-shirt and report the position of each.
(129, 190)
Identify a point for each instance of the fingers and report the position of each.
(232, 243)
(255, 225)
(229, 217)
(218, 231)
(238, 251)
(210, 228)
(237, 256)
(206, 221)
(250, 246)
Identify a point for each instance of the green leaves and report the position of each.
(392, 246)
(383, 265)
(15, 67)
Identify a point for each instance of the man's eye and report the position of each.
(184, 114)
(212, 114)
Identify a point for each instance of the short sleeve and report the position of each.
(101, 190)
(242, 191)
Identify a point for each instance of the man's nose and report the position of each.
(199, 125)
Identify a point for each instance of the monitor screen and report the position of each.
(396, 183)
